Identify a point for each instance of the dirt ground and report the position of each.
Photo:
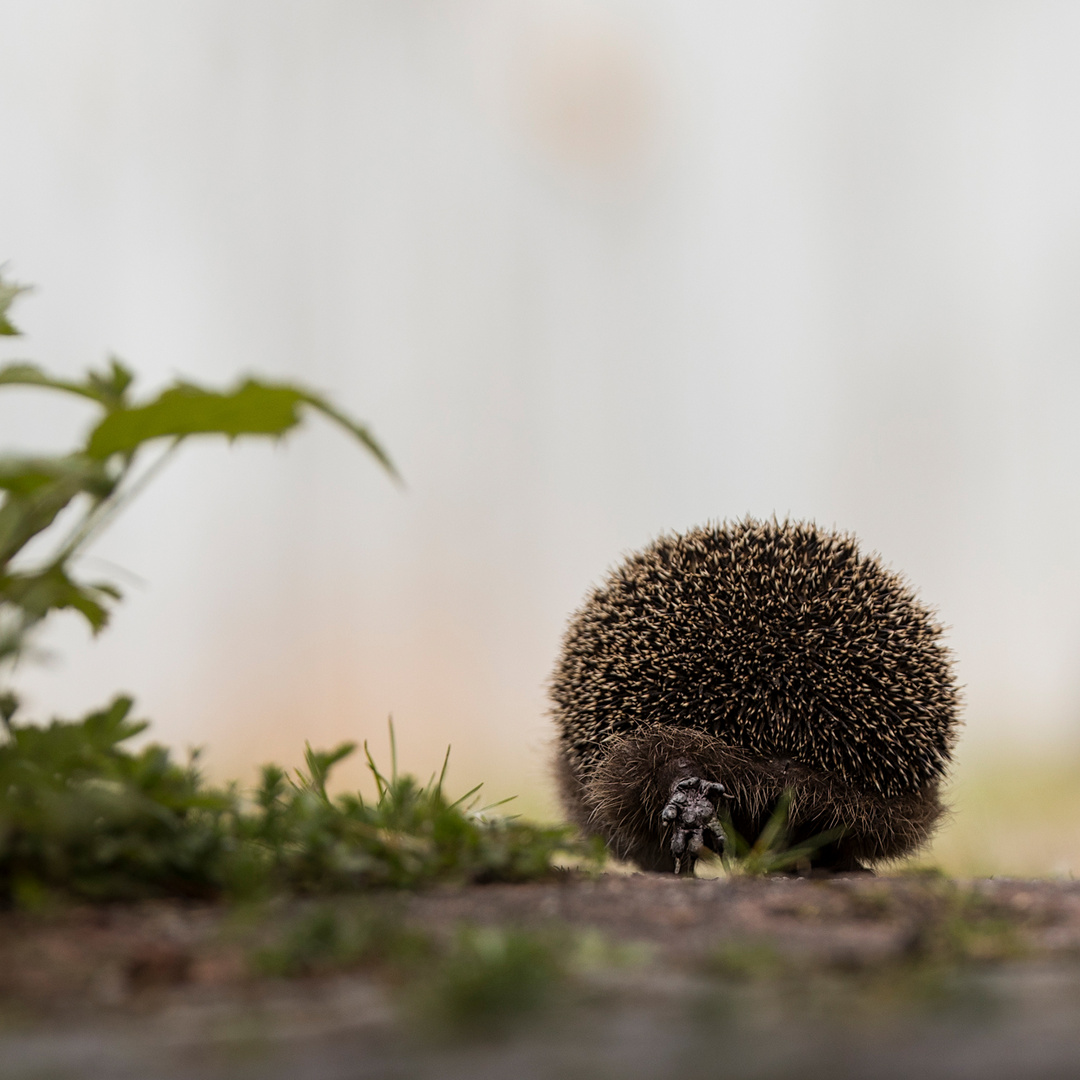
(849, 976)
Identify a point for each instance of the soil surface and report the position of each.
(843, 977)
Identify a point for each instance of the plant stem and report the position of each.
(101, 513)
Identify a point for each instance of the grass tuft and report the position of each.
(84, 818)
(772, 851)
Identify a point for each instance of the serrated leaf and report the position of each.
(110, 726)
(8, 292)
(38, 489)
(106, 389)
(21, 519)
(253, 408)
(112, 385)
(50, 590)
(25, 475)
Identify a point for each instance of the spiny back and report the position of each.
(777, 637)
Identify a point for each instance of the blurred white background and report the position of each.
(592, 270)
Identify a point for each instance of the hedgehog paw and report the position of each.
(691, 814)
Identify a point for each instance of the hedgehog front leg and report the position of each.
(691, 815)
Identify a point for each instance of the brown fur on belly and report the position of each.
(622, 799)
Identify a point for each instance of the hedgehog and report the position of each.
(719, 670)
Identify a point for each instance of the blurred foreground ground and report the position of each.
(623, 976)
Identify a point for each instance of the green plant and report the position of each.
(335, 936)
(473, 981)
(99, 477)
(771, 852)
(410, 834)
(962, 926)
(490, 979)
(82, 817)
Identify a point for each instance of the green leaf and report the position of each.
(112, 385)
(8, 291)
(253, 408)
(38, 489)
(319, 763)
(108, 388)
(360, 432)
(108, 727)
(24, 476)
(49, 590)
